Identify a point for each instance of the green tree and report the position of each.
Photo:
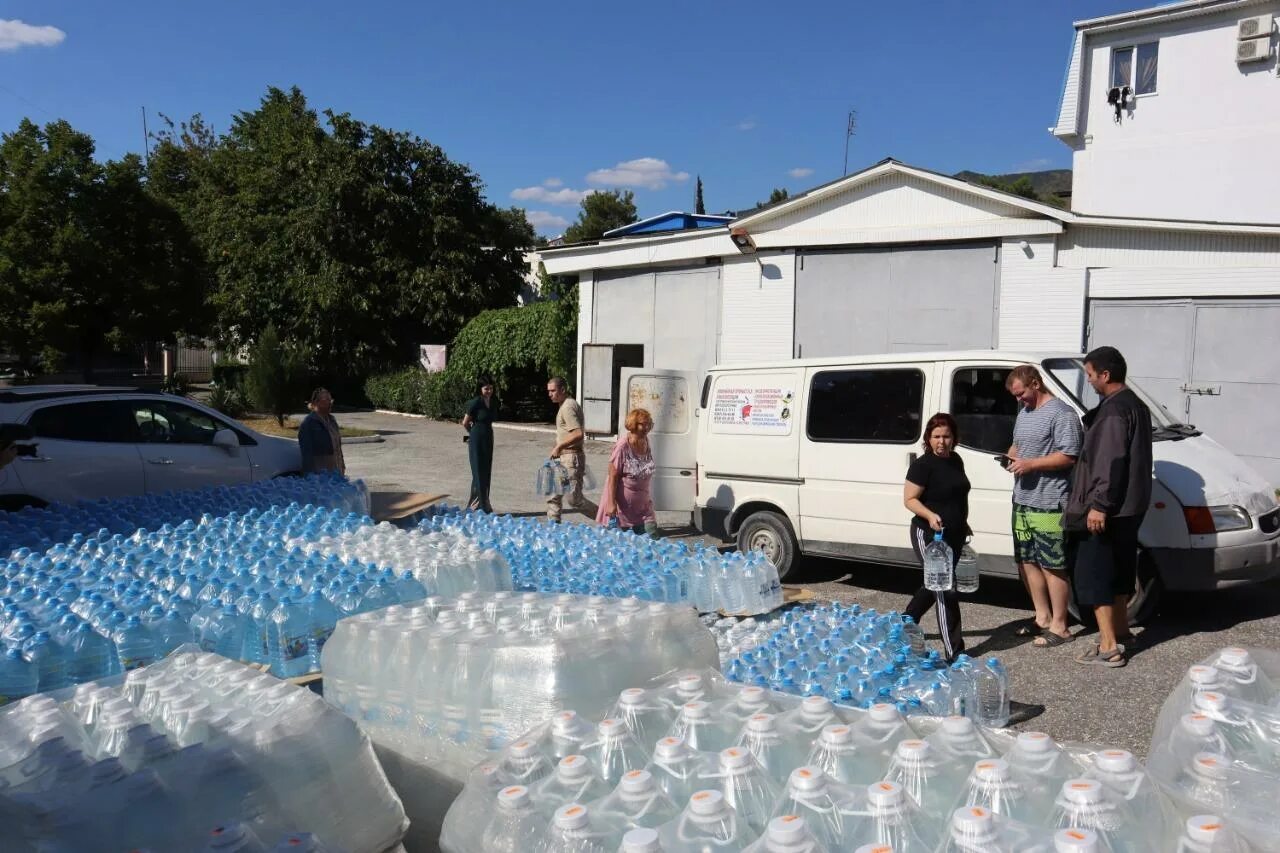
(89, 258)
(778, 194)
(357, 242)
(698, 206)
(277, 376)
(602, 212)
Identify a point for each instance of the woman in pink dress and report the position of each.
(626, 489)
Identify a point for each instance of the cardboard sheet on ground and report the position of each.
(392, 506)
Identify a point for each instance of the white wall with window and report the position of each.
(1197, 135)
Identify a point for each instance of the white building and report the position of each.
(1198, 133)
(897, 258)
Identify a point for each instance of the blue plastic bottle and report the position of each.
(93, 656)
(50, 660)
(409, 589)
(322, 618)
(19, 677)
(135, 645)
(288, 640)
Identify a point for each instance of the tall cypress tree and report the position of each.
(698, 206)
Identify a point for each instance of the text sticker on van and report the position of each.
(749, 409)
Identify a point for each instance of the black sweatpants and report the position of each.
(949, 613)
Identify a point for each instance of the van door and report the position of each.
(862, 430)
(985, 411)
(669, 398)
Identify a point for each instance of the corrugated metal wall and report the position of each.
(757, 307)
(1104, 246)
(1069, 106)
(1041, 306)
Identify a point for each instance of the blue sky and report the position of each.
(550, 102)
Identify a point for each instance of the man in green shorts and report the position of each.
(1046, 442)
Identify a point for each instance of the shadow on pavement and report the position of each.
(1185, 613)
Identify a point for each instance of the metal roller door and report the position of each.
(907, 299)
(1210, 362)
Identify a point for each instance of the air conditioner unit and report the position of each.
(1251, 28)
(1251, 50)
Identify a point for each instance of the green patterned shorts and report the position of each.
(1038, 537)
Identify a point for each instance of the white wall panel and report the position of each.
(586, 293)
(758, 307)
(1100, 246)
(1118, 283)
(1069, 107)
(1041, 306)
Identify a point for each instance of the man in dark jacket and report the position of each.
(1110, 490)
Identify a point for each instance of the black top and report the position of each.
(946, 491)
(1113, 473)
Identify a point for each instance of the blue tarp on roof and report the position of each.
(671, 221)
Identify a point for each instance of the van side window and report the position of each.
(866, 405)
(983, 408)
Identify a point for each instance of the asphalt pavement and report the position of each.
(1115, 707)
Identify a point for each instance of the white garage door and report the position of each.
(906, 299)
(673, 314)
(1210, 362)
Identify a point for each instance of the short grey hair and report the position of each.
(559, 382)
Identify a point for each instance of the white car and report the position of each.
(100, 442)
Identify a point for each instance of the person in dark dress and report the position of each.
(478, 422)
(319, 439)
(937, 493)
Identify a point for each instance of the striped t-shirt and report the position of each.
(1051, 427)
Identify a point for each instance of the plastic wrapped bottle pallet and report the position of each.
(171, 752)
(446, 684)
(922, 784)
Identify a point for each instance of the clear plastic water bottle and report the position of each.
(93, 655)
(19, 677)
(707, 823)
(967, 575)
(514, 822)
(289, 640)
(322, 618)
(50, 660)
(991, 689)
(135, 645)
(937, 564)
(914, 635)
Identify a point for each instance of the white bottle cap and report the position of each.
(689, 683)
(787, 829)
(807, 779)
(696, 711)
(957, 725)
(1198, 724)
(735, 758)
(706, 803)
(991, 770)
(573, 767)
(631, 697)
(913, 751)
(522, 749)
(882, 712)
(572, 816)
(1076, 841)
(514, 797)
(669, 747)
(1203, 828)
(642, 840)
(1215, 702)
(1116, 761)
(565, 723)
(761, 723)
(1200, 674)
(1210, 765)
(973, 823)
(1035, 742)
(885, 795)
(837, 735)
(611, 728)
(815, 706)
(753, 697)
(1085, 792)
(636, 781)
(1234, 656)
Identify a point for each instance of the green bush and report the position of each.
(178, 384)
(229, 401)
(277, 375)
(416, 392)
(230, 374)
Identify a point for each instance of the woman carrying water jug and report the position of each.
(937, 493)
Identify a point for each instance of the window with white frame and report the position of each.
(1135, 66)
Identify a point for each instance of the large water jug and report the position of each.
(50, 660)
(1209, 834)
(937, 565)
(747, 788)
(1252, 683)
(574, 781)
(289, 640)
(647, 718)
(1121, 774)
(974, 829)
(930, 782)
(811, 797)
(967, 575)
(615, 751)
(992, 786)
(790, 833)
(514, 822)
(1084, 804)
(889, 818)
(991, 690)
(573, 830)
(679, 770)
(637, 802)
(135, 645)
(960, 740)
(707, 824)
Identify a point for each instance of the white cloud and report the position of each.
(544, 221)
(15, 34)
(553, 182)
(747, 124)
(648, 172)
(548, 196)
(800, 172)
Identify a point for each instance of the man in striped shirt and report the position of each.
(1046, 442)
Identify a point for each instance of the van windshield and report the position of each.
(1070, 376)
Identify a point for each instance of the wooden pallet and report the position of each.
(790, 595)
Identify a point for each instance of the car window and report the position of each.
(866, 405)
(983, 408)
(165, 422)
(96, 420)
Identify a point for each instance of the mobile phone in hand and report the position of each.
(1004, 460)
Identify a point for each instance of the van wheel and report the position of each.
(770, 533)
(1143, 604)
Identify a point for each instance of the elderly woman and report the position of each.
(626, 495)
(478, 422)
(319, 438)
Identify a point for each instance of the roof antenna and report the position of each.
(850, 129)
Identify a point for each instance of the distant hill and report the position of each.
(1051, 182)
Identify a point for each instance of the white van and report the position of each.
(809, 457)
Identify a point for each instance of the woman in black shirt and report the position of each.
(937, 493)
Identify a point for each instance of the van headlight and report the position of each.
(1203, 520)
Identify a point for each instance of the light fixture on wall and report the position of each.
(1025, 247)
(742, 240)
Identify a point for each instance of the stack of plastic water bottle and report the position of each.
(451, 680)
(860, 657)
(589, 560)
(193, 753)
(40, 529)
(1216, 745)
(695, 765)
(106, 603)
(444, 561)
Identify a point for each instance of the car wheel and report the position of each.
(1143, 603)
(770, 533)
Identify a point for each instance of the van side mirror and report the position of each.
(227, 440)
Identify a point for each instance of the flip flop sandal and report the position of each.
(1094, 657)
(1049, 640)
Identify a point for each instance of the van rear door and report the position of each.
(670, 398)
